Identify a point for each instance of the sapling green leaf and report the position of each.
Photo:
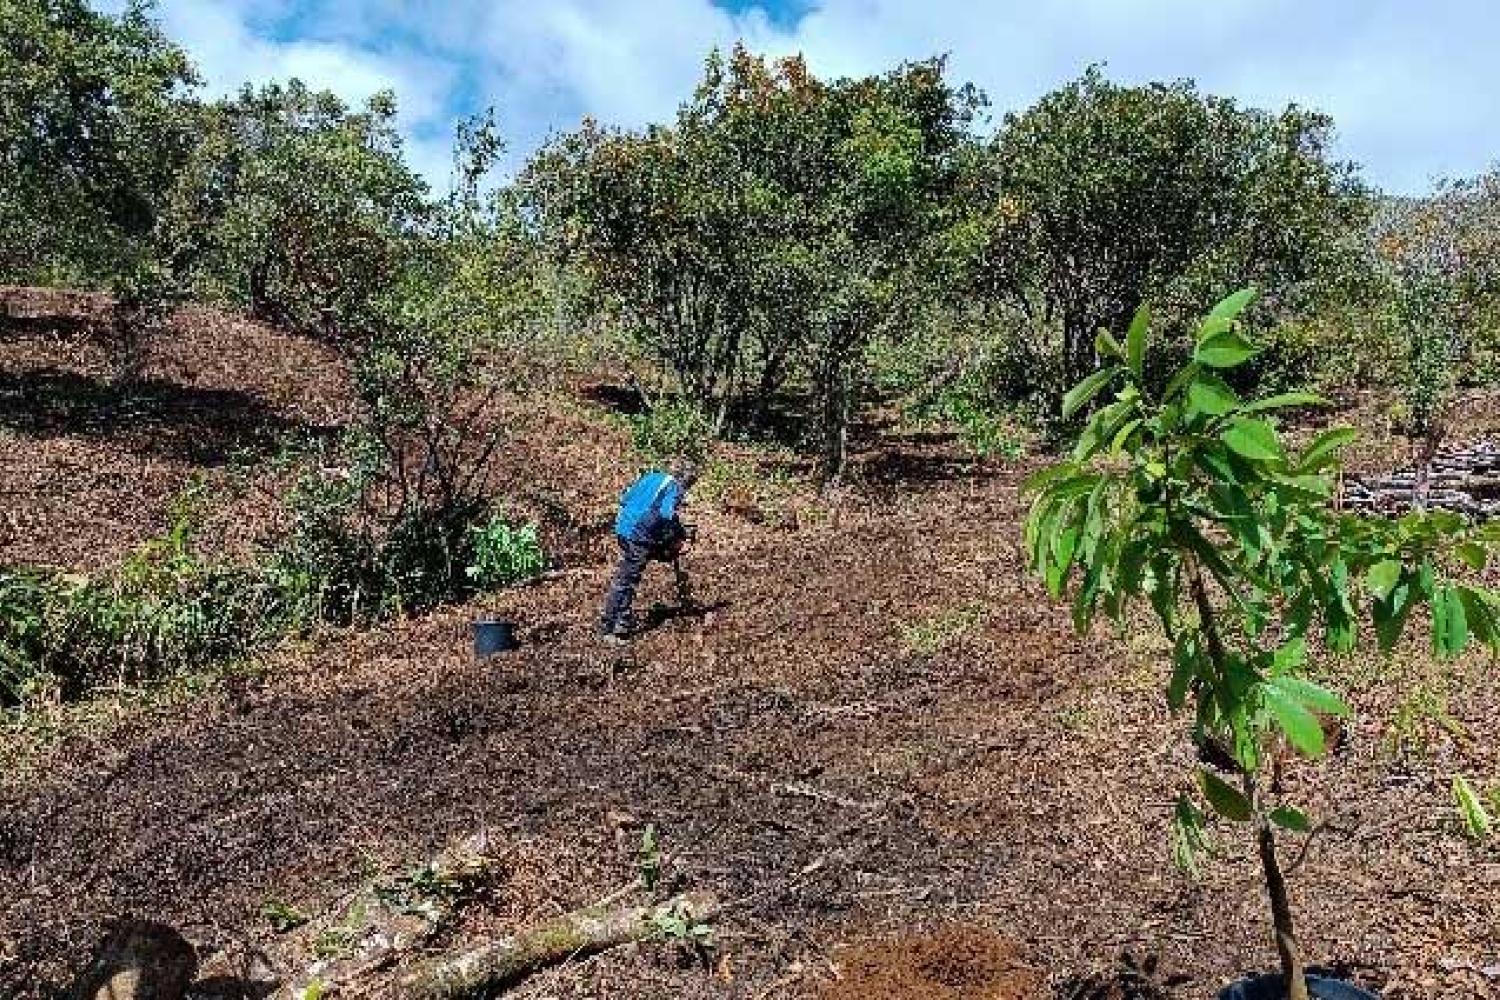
(1300, 725)
(1286, 399)
(1291, 655)
(1381, 578)
(1229, 308)
(1289, 818)
(1080, 395)
(1135, 340)
(1471, 554)
(1224, 350)
(1476, 819)
(1325, 447)
(1312, 695)
(1211, 396)
(1254, 439)
(1189, 836)
(1106, 346)
(1226, 800)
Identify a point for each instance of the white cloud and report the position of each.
(223, 40)
(1410, 85)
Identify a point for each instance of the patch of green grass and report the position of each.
(338, 940)
(748, 486)
(282, 916)
(938, 632)
(28, 734)
(1421, 719)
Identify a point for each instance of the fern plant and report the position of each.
(1188, 500)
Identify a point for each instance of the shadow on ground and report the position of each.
(152, 416)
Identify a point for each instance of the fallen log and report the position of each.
(505, 961)
(393, 917)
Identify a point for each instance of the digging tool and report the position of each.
(680, 575)
(684, 585)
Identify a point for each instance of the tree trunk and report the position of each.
(1427, 448)
(835, 420)
(1078, 355)
(769, 385)
(496, 964)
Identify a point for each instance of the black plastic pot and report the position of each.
(1273, 987)
(492, 636)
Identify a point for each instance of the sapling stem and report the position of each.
(1281, 907)
(1285, 930)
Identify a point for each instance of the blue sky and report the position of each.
(1412, 85)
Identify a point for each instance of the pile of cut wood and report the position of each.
(1463, 478)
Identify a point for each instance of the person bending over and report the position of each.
(648, 529)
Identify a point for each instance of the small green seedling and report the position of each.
(282, 916)
(1188, 499)
(650, 858)
(679, 925)
(1476, 819)
(505, 554)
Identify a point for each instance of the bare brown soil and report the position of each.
(885, 748)
(951, 963)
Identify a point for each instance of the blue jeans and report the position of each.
(634, 556)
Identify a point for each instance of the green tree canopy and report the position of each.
(296, 205)
(93, 126)
(1104, 196)
(772, 230)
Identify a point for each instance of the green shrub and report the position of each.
(1426, 312)
(986, 432)
(986, 425)
(347, 559)
(164, 610)
(671, 430)
(504, 554)
(24, 626)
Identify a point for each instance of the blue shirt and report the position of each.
(647, 507)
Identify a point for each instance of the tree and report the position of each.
(1104, 196)
(1189, 496)
(878, 225)
(767, 235)
(296, 206)
(93, 127)
(388, 522)
(657, 222)
(1441, 258)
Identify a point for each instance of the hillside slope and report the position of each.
(883, 726)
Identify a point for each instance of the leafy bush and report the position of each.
(1189, 497)
(504, 554)
(985, 431)
(1427, 316)
(295, 205)
(385, 522)
(671, 430)
(356, 550)
(93, 125)
(764, 239)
